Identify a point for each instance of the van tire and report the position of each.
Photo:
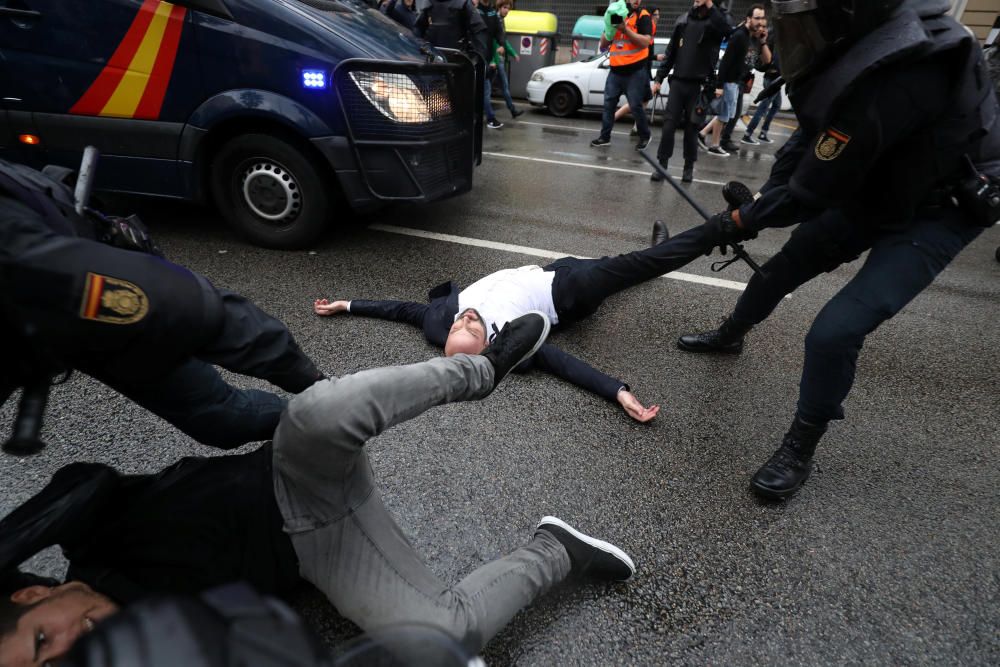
(271, 191)
(562, 100)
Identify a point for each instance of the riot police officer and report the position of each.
(897, 153)
(82, 291)
(453, 24)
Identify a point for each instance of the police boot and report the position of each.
(791, 464)
(727, 338)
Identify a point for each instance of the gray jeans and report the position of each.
(348, 544)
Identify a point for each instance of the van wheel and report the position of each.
(562, 100)
(270, 191)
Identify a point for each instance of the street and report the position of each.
(887, 556)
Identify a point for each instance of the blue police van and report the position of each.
(288, 114)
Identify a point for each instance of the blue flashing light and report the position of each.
(314, 79)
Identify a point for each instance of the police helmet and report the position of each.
(810, 31)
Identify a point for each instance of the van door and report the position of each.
(118, 74)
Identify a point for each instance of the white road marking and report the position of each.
(578, 128)
(538, 252)
(644, 172)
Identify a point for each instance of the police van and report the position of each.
(279, 111)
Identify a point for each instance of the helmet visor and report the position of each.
(799, 36)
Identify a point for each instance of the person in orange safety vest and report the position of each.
(629, 74)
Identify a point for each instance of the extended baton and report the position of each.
(737, 249)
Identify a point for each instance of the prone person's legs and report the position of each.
(581, 285)
(347, 542)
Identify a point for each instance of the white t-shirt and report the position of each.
(505, 295)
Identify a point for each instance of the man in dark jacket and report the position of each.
(146, 327)
(567, 290)
(306, 506)
(690, 61)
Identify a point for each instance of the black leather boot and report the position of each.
(791, 464)
(727, 338)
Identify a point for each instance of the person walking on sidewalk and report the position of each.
(500, 48)
(768, 107)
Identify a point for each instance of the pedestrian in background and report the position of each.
(688, 63)
(769, 106)
(757, 58)
(500, 47)
(732, 75)
(629, 75)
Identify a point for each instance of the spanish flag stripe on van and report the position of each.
(134, 81)
(159, 79)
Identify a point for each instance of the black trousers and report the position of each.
(580, 286)
(680, 104)
(899, 266)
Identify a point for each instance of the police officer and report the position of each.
(146, 327)
(690, 60)
(897, 153)
(453, 24)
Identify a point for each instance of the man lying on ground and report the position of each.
(566, 290)
(305, 505)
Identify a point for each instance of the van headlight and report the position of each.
(394, 95)
(538, 76)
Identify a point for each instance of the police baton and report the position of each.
(85, 179)
(737, 249)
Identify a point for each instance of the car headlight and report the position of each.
(394, 95)
(538, 76)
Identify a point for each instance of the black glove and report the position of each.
(723, 230)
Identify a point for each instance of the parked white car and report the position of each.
(566, 89)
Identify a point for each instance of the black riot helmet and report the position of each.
(811, 31)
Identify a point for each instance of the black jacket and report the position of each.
(694, 47)
(436, 318)
(200, 523)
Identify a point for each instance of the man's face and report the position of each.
(47, 631)
(634, 4)
(700, 3)
(467, 335)
(503, 11)
(757, 21)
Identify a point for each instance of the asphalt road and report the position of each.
(889, 554)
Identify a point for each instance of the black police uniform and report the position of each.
(144, 326)
(691, 58)
(453, 24)
(883, 134)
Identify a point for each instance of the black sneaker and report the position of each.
(748, 139)
(643, 142)
(494, 124)
(519, 339)
(515, 112)
(589, 556)
(688, 174)
(717, 151)
(702, 143)
(599, 141)
(730, 147)
(764, 138)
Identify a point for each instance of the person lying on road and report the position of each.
(306, 505)
(566, 290)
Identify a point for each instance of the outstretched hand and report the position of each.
(325, 307)
(634, 409)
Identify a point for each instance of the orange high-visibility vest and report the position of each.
(623, 50)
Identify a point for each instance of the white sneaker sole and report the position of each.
(606, 547)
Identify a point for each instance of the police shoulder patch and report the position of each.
(113, 301)
(831, 144)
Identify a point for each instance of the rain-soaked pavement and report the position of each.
(889, 554)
